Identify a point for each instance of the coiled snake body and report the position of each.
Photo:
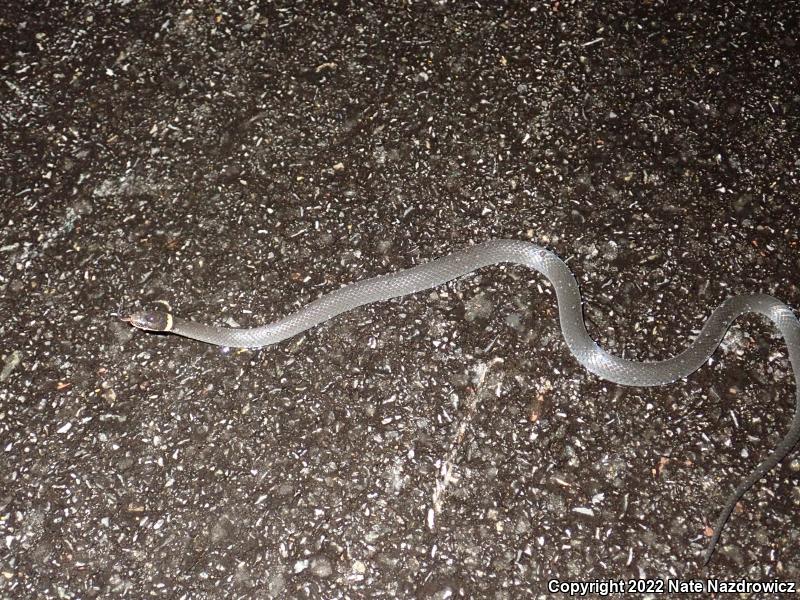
(582, 346)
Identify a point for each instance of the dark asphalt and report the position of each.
(235, 161)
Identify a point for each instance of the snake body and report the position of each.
(582, 346)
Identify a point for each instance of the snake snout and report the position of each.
(151, 321)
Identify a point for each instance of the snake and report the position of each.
(570, 312)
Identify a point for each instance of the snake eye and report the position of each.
(151, 321)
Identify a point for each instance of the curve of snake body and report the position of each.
(582, 346)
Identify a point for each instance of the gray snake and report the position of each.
(582, 346)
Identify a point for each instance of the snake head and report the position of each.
(151, 321)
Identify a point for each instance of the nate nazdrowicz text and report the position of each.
(606, 587)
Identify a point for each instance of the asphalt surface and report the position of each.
(235, 161)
